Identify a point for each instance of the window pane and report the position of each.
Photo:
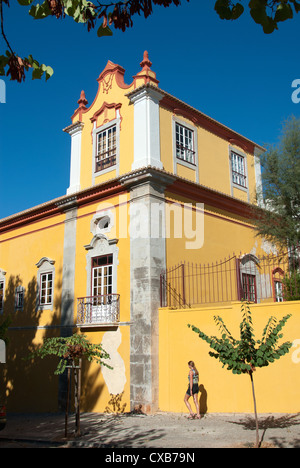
(46, 284)
(278, 291)
(102, 275)
(249, 287)
(106, 148)
(19, 298)
(238, 169)
(184, 143)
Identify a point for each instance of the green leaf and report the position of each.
(3, 63)
(237, 11)
(25, 2)
(228, 12)
(104, 31)
(258, 14)
(258, 11)
(78, 15)
(40, 11)
(70, 7)
(223, 9)
(283, 12)
(256, 4)
(296, 6)
(48, 71)
(37, 73)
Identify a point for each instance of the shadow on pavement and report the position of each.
(272, 422)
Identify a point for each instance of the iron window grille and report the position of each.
(185, 144)
(106, 150)
(238, 170)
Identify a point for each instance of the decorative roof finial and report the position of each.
(146, 74)
(146, 64)
(82, 100)
(82, 106)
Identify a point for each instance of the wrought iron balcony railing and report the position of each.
(97, 310)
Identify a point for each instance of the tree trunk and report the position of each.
(67, 403)
(77, 376)
(255, 412)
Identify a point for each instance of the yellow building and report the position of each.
(153, 182)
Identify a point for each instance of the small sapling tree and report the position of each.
(70, 351)
(243, 356)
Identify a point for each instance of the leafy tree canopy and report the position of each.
(267, 13)
(244, 355)
(280, 221)
(119, 14)
(70, 349)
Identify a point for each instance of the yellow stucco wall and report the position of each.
(276, 386)
(105, 390)
(208, 234)
(30, 386)
(20, 250)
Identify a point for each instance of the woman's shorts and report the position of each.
(195, 389)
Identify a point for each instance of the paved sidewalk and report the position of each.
(161, 430)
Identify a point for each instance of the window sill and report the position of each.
(45, 307)
(102, 324)
(240, 187)
(186, 163)
(106, 170)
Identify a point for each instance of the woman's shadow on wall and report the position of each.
(202, 400)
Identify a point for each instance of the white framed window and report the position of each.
(102, 275)
(45, 283)
(185, 146)
(106, 148)
(46, 288)
(101, 305)
(278, 289)
(238, 169)
(19, 297)
(102, 262)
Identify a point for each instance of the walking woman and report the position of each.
(193, 389)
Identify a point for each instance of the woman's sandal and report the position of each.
(191, 416)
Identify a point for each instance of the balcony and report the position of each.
(98, 310)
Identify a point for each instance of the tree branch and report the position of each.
(2, 27)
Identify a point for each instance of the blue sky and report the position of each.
(231, 71)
